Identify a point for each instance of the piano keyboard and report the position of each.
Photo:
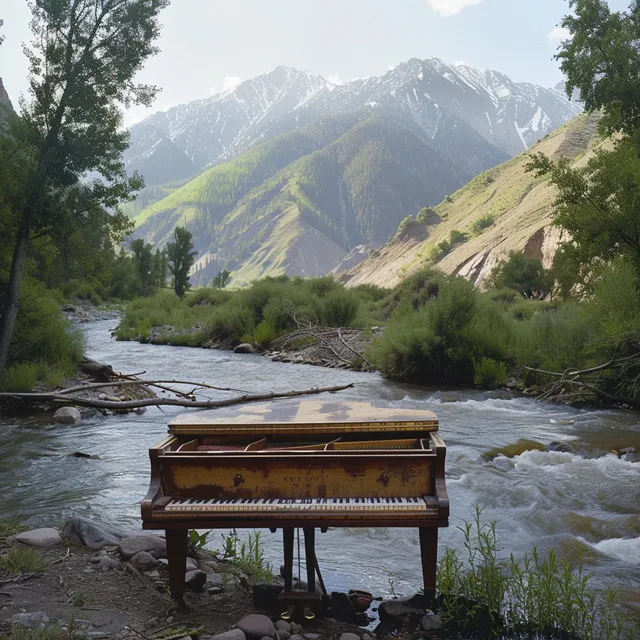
(265, 505)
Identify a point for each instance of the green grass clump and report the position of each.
(483, 223)
(21, 559)
(489, 373)
(10, 527)
(539, 596)
(20, 378)
(247, 556)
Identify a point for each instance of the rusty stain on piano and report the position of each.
(298, 463)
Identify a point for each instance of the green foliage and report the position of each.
(489, 373)
(196, 542)
(11, 526)
(539, 596)
(181, 257)
(483, 223)
(247, 556)
(20, 377)
(21, 559)
(523, 274)
(222, 279)
(404, 224)
(445, 247)
(80, 289)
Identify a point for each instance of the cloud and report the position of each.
(448, 8)
(558, 34)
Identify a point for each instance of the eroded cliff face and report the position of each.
(517, 209)
(4, 96)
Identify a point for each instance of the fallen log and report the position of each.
(125, 405)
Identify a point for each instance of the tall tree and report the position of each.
(181, 257)
(82, 64)
(143, 259)
(159, 271)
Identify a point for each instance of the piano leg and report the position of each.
(287, 539)
(177, 556)
(310, 556)
(429, 557)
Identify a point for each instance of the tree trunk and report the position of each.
(15, 287)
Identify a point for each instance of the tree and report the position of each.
(222, 279)
(82, 62)
(159, 272)
(143, 259)
(181, 257)
(523, 274)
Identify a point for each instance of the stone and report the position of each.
(143, 561)
(107, 564)
(94, 535)
(215, 579)
(212, 590)
(400, 612)
(296, 636)
(155, 545)
(29, 620)
(349, 636)
(234, 634)
(194, 580)
(626, 450)
(562, 447)
(43, 538)
(283, 625)
(154, 575)
(316, 636)
(295, 627)
(281, 634)
(214, 565)
(366, 636)
(192, 564)
(245, 347)
(67, 415)
(256, 626)
(431, 621)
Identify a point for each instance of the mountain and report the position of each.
(477, 118)
(299, 202)
(504, 209)
(6, 108)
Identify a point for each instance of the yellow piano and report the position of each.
(298, 463)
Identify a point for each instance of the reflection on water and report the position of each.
(547, 499)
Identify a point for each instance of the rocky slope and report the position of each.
(516, 208)
(477, 116)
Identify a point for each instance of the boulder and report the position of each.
(245, 347)
(296, 636)
(283, 625)
(215, 579)
(400, 612)
(155, 545)
(39, 538)
(107, 564)
(234, 634)
(192, 564)
(195, 580)
(94, 535)
(67, 415)
(562, 447)
(143, 561)
(431, 621)
(349, 636)
(295, 627)
(29, 620)
(281, 634)
(256, 626)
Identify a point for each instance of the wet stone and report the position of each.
(256, 626)
(234, 634)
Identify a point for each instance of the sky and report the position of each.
(208, 45)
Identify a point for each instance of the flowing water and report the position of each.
(557, 500)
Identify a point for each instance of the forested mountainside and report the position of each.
(346, 181)
(451, 104)
(345, 163)
(504, 209)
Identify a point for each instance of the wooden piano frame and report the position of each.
(364, 452)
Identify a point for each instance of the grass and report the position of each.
(21, 559)
(10, 527)
(247, 556)
(539, 596)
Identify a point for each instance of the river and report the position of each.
(548, 499)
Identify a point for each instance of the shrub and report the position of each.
(20, 377)
(489, 373)
(482, 223)
(523, 274)
(21, 559)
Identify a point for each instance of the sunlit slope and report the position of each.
(349, 180)
(515, 205)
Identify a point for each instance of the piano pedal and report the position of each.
(288, 614)
(308, 614)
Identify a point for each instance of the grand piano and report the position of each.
(298, 463)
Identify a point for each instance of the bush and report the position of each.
(20, 378)
(482, 223)
(489, 373)
(80, 289)
(523, 274)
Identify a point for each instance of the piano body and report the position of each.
(290, 463)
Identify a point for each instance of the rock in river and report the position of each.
(245, 347)
(67, 415)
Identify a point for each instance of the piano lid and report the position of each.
(303, 416)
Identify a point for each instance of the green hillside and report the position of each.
(350, 179)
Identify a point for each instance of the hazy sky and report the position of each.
(207, 44)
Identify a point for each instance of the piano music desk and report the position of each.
(298, 463)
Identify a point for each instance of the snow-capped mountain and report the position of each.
(477, 117)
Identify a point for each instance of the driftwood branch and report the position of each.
(357, 353)
(147, 383)
(126, 405)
